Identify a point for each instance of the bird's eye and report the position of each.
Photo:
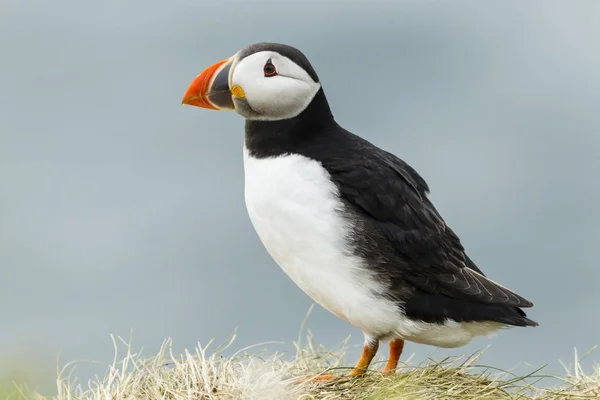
(269, 69)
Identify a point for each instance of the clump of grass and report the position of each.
(251, 375)
(205, 374)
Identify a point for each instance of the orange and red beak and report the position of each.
(211, 89)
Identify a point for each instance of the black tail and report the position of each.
(436, 308)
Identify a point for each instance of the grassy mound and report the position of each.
(249, 375)
(206, 374)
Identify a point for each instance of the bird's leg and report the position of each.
(369, 350)
(396, 347)
(368, 353)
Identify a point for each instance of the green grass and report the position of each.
(207, 374)
(252, 375)
(11, 388)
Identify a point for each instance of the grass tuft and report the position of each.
(207, 374)
(203, 374)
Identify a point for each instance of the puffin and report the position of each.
(348, 222)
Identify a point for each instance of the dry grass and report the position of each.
(206, 374)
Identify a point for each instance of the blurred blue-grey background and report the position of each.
(122, 210)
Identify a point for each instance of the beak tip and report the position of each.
(202, 88)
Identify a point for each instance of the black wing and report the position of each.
(393, 194)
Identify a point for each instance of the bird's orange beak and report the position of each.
(210, 89)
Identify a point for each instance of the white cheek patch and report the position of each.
(276, 97)
(281, 93)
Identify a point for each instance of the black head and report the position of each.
(261, 82)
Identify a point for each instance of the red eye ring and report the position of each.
(269, 69)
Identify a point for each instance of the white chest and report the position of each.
(296, 212)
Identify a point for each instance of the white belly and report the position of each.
(296, 212)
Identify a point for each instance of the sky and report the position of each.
(122, 212)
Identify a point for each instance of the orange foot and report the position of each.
(318, 378)
(369, 351)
